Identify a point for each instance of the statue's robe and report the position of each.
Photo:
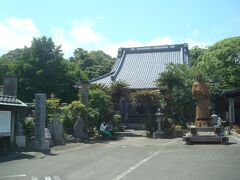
(201, 95)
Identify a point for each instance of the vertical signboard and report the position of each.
(5, 123)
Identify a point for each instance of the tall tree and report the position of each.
(176, 99)
(42, 69)
(220, 64)
(8, 63)
(119, 89)
(94, 63)
(195, 54)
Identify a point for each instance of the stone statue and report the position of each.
(201, 95)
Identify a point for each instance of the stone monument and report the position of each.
(159, 133)
(39, 142)
(83, 88)
(20, 137)
(57, 132)
(78, 129)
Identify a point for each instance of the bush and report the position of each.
(70, 113)
(93, 119)
(28, 124)
(101, 102)
(117, 122)
(53, 108)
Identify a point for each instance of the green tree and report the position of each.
(8, 63)
(119, 89)
(168, 79)
(220, 65)
(102, 103)
(195, 54)
(94, 63)
(41, 69)
(150, 101)
(70, 114)
(177, 102)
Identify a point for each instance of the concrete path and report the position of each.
(128, 158)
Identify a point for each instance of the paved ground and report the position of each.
(128, 158)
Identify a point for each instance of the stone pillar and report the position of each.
(10, 86)
(84, 94)
(231, 110)
(40, 113)
(84, 99)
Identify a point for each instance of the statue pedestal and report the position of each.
(205, 134)
(158, 134)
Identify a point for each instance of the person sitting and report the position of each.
(104, 131)
(214, 119)
(110, 127)
(220, 122)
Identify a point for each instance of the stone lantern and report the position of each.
(159, 133)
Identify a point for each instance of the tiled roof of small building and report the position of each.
(11, 101)
(140, 66)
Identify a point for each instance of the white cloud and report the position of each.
(80, 35)
(160, 41)
(192, 43)
(59, 38)
(16, 33)
(84, 34)
(112, 49)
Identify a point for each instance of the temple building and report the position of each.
(139, 67)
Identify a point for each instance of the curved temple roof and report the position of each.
(140, 66)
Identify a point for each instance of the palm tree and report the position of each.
(149, 98)
(169, 79)
(119, 89)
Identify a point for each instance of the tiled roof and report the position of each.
(11, 101)
(141, 66)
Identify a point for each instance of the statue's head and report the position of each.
(199, 77)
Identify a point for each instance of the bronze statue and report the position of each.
(201, 95)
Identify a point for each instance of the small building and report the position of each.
(228, 105)
(140, 67)
(11, 114)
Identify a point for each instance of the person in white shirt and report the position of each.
(214, 119)
(103, 130)
(103, 126)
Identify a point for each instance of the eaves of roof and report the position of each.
(11, 101)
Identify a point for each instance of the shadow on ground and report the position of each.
(10, 156)
(14, 155)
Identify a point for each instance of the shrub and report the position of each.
(28, 124)
(53, 108)
(93, 119)
(70, 113)
(100, 101)
(117, 122)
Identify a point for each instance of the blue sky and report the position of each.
(109, 24)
